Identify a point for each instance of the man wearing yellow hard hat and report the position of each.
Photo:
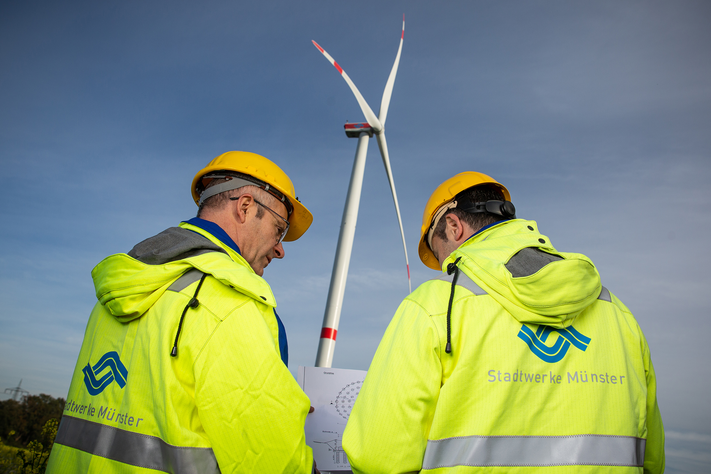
(183, 367)
(517, 359)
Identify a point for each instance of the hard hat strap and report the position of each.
(504, 209)
(236, 182)
(232, 183)
(438, 215)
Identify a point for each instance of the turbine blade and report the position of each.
(383, 145)
(388, 92)
(367, 111)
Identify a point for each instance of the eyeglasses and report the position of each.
(282, 233)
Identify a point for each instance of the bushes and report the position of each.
(28, 418)
(32, 460)
(27, 432)
(9, 461)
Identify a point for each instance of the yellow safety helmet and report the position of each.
(265, 174)
(445, 193)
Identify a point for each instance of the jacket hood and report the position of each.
(129, 284)
(520, 269)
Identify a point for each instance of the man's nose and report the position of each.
(279, 251)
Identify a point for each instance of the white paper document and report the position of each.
(332, 393)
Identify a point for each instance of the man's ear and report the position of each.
(454, 227)
(244, 202)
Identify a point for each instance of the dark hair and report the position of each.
(480, 193)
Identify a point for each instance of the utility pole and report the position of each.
(17, 392)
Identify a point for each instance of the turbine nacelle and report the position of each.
(353, 130)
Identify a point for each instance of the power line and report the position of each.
(17, 392)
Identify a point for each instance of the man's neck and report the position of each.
(216, 230)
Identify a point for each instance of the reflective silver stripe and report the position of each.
(529, 261)
(587, 450)
(134, 448)
(605, 295)
(465, 282)
(187, 279)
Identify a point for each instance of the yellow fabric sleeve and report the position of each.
(402, 386)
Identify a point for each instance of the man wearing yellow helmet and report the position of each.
(183, 367)
(516, 360)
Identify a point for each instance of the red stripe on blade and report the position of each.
(316, 44)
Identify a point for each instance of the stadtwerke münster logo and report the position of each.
(566, 337)
(103, 373)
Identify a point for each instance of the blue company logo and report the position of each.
(537, 342)
(116, 371)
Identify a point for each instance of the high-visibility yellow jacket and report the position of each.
(225, 403)
(548, 370)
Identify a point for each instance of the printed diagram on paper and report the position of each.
(332, 393)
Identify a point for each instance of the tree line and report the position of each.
(25, 419)
(27, 432)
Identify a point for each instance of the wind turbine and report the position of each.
(363, 131)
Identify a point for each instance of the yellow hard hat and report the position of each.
(445, 193)
(266, 174)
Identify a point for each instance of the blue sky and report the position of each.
(595, 115)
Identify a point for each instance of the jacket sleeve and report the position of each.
(251, 408)
(388, 428)
(654, 459)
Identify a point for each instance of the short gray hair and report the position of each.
(219, 201)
